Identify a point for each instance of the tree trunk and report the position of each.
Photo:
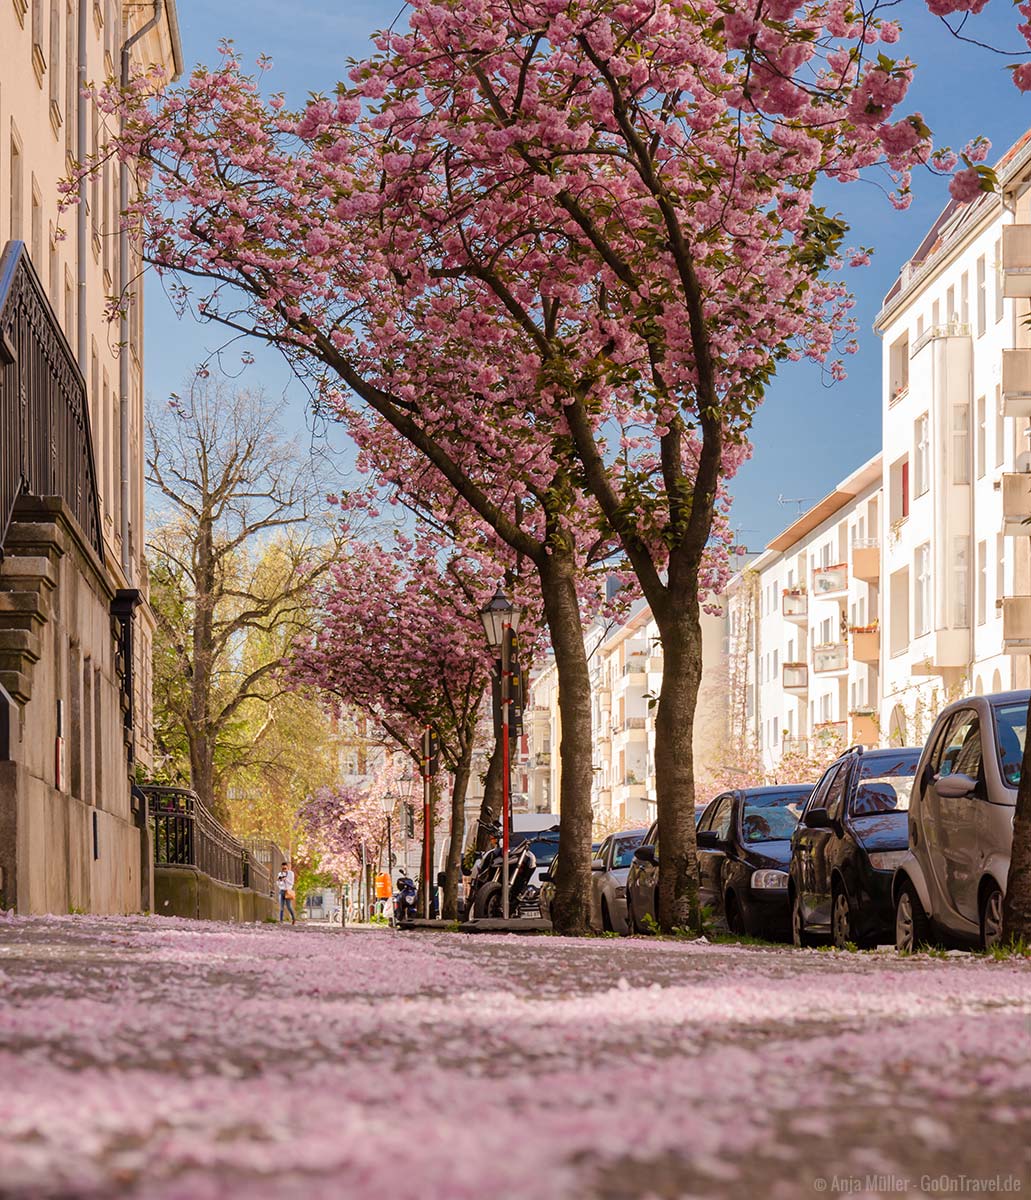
(1016, 911)
(453, 867)
(490, 809)
(571, 907)
(680, 630)
(426, 880)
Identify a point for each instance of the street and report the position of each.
(157, 1057)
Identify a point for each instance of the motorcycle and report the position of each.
(405, 898)
(486, 885)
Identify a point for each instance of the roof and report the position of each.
(846, 491)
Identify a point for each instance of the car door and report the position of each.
(957, 859)
(643, 878)
(808, 839)
(821, 846)
(597, 881)
(718, 819)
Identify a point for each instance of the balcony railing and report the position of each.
(1016, 624)
(187, 835)
(827, 733)
(795, 677)
(264, 859)
(831, 656)
(1016, 383)
(795, 605)
(635, 666)
(866, 643)
(1016, 503)
(866, 559)
(830, 580)
(795, 745)
(865, 728)
(1016, 261)
(45, 444)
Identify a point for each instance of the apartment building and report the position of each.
(911, 583)
(625, 661)
(75, 626)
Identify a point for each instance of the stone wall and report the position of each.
(69, 835)
(188, 892)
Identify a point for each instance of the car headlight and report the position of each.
(886, 860)
(770, 879)
(620, 893)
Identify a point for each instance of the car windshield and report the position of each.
(772, 816)
(885, 785)
(1011, 726)
(623, 855)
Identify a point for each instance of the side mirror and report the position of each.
(709, 839)
(545, 877)
(646, 854)
(818, 818)
(954, 787)
(597, 864)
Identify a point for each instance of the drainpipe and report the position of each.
(123, 320)
(80, 223)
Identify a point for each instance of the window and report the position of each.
(960, 749)
(982, 582)
(998, 280)
(1011, 722)
(55, 280)
(71, 80)
(960, 575)
(899, 590)
(982, 298)
(921, 449)
(39, 61)
(950, 306)
(981, 431)
(1000, 428)
(36, 227)
(16, 192)
(55, 59)
(964, 299)
(775, 664)
(922, 590)
(899, 366)
(721, 816)
(836, 792)
(961, 443)
(1000, 567)
(899, 484)
(935, 314)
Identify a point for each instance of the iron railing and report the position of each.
(45, 444)
(186, 834)
(264, 859)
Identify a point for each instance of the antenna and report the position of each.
(802, 502)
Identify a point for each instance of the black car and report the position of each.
(853, 833)
(744, 846)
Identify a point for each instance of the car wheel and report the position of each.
(735, 918)
(488, 901)
(912, 928)
(841, 919)
(606, 920)
(799, 935)
(991, 916)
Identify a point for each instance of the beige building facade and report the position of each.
(75, 626)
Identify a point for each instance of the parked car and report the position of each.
(543, 846)
(852, 835)
(608, 879)
(744, 846)
(951, 884)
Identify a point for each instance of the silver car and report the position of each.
(951, 884)
(608, 880)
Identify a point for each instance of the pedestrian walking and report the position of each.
(287, 895)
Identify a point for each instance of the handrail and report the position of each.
(45, 443)
(186, 833)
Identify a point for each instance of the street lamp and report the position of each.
(387, 803)
(501, 622)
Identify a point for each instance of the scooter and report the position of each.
(405, 898)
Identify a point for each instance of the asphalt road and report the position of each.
(152, 1057)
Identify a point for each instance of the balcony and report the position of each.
(865, 727)
(830, 581)
(1016, 261)
(866, 560)
(1016, 504)
(795, 605)
(631, 726)
(866, 643)
(635, 665)
(1016, 383)
(795, 678)
(1016, 624)
(831, 656)
(795, 745)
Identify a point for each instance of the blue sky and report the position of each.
(808, 435)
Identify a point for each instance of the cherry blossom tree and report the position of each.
(554, 253)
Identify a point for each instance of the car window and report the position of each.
(884, 786)
(961, 747)
(772, 816)
(706, 821)
(603, 850)
(623, 850)
(1011, 729)
(835, 794)
(816, 799)
(722, 816)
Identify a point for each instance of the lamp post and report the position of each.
(387, 803)
(501, 622)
